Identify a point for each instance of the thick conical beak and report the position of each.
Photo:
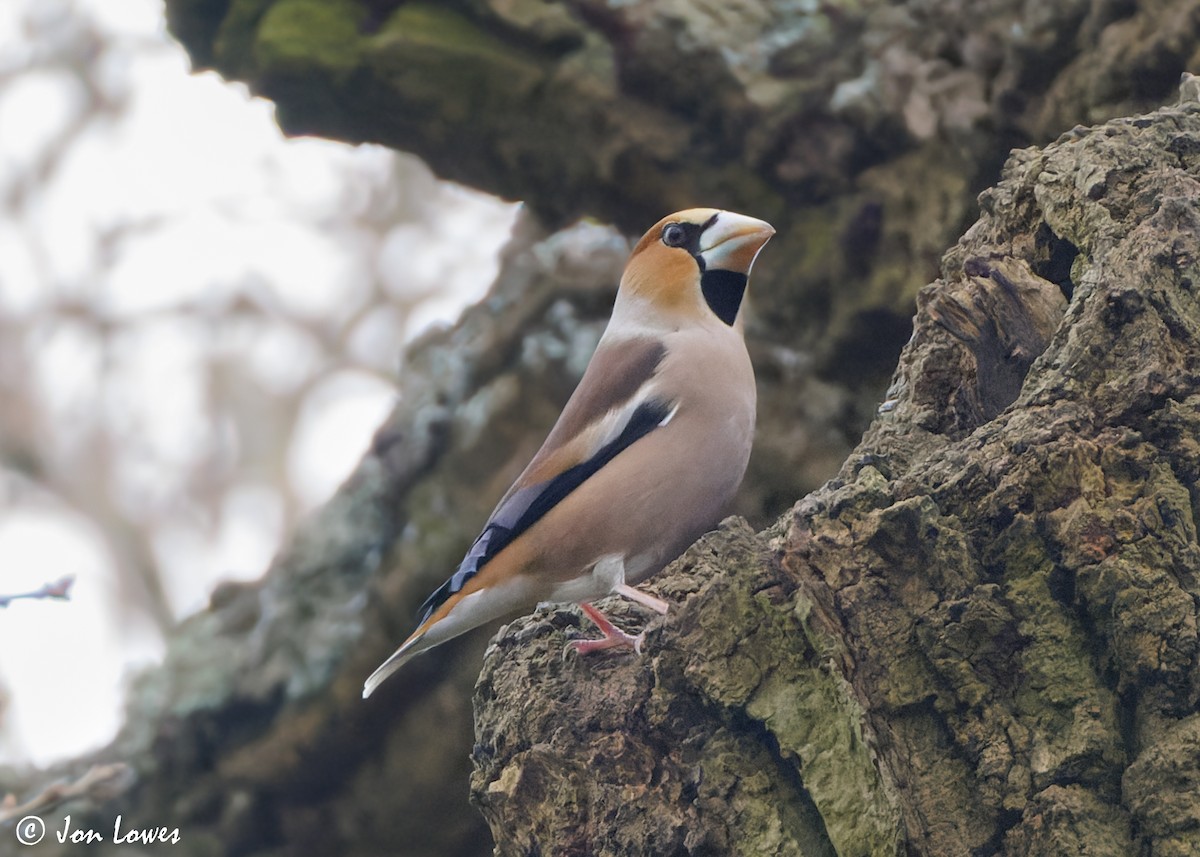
(733, 242)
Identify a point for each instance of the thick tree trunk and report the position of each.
(862, 131)
(983, 636)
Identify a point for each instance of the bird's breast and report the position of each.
(669, 487)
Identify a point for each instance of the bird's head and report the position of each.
(694, 265)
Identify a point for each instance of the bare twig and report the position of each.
(99, 783)
(59, 590)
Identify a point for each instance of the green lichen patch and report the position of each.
(447, 67)
(319, 37)
(719, 737)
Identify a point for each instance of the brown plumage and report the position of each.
(644, 457)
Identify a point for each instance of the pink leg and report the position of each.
(643, 598)
(613, 638)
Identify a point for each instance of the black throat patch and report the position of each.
(723, 291)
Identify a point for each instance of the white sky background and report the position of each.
(200, 323)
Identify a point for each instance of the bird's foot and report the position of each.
(619, 640)
(614, 637)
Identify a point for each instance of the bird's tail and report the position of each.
(411, 648)
(468, 608)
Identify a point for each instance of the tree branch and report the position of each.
(983, 637)
(99, 784)
(59, 590)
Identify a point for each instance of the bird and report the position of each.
(645, 456)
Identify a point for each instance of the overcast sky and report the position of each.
(159, 222)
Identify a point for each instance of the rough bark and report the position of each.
(864, 133)
(861, 130)
(982, 637)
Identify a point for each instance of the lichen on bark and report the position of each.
(980, 638)
(861, 130)
(554, 766)
(1026, 491)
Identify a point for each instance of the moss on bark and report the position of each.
(981, 638)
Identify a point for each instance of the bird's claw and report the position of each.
(619, 640)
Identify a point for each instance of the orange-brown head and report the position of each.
(694, 264)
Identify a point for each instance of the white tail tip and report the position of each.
(398, 659)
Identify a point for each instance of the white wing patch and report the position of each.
(610, 426)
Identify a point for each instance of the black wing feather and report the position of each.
(527, 506)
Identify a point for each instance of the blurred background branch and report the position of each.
(200, 326)
(59, 590)
(172, 418)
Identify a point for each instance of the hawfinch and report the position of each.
(644, 457)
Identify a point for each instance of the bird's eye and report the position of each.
(674, 235)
